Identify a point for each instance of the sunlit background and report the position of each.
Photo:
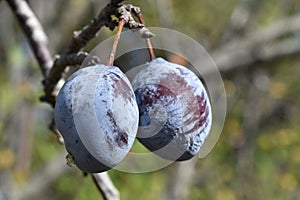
(256, 44)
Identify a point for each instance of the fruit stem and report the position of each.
(149, 45)
(115, 44)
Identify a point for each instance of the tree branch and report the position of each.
(55, 168)
(256, 46)
(262, 45)
(40, 181)
(239, 21)
(82, 37)
(105, 186)
(80, 40)
(181, 180)
(75, 59)
(34, 32)
(52, 72)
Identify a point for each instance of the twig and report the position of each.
(150, 48)
(252, 119)
(34, 32)
(52, 72)
(75, 59)
(80, 39)
(255, 46)
(105, 186)
(181, 180)
(239, 21)
(125, 13)
(52, 127)
(40, 181)
(144, 33)
(60, 63)
(125, 18)
(110, 62)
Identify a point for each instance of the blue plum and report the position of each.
(174, 110)
(97, 115)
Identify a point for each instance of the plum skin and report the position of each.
(89, 113)
(184, 115)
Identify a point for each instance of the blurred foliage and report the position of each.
(253, 159)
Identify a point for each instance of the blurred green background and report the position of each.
(258, 153)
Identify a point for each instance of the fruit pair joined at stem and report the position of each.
(98, 112)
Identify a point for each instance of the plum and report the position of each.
(174, 110)
(97, 115)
